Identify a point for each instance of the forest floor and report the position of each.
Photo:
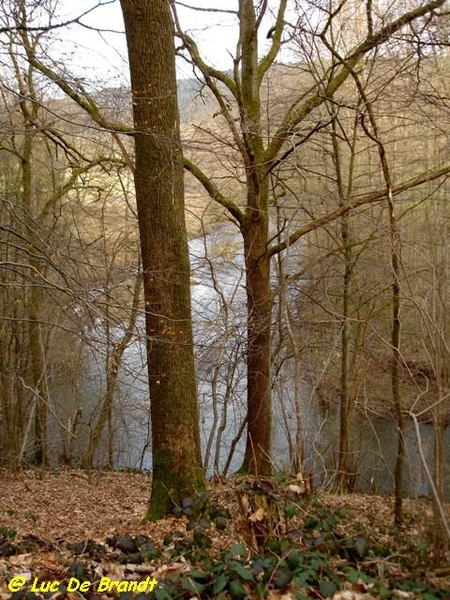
(60, 529)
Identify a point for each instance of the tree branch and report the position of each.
(267, 61)
(355, 203)
(214, 191)
(77, 172)
(208, 10)
(44, 28)
(324, 89)
(192, 48)
(80, 96)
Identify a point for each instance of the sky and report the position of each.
(91, 54)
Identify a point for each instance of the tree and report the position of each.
(158, 175)
(260, 151)
(42, 320)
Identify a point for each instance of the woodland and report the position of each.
(223, 299)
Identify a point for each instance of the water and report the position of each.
(219, 315)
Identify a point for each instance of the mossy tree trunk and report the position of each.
(177, 466)
(34, 297)
(257, 457)
(255, 231)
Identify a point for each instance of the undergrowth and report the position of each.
(291, 544)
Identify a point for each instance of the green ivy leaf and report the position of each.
(237, 590)
(201, 540)
(327, 588)
(243, 573)
(191, 585)
(198, 574)
(289, 511)
(221, 523)
(161, 594)
(204, 523)
(220, 583)
(282, 577)
(383, 591)
(294, 559)
(311, 523)
(238, 550)
(305, 577)
(7, 532)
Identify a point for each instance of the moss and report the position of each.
(168, 491)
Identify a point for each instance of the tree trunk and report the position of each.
(177, 467)
(38, 374)
(343, 475)
(394, 238)
(36, 342)
(396, 386)
(112, 374)
(344, 417)
(255, 231)
(257, 458)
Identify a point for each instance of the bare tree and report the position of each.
(258, 152)
(33, 192)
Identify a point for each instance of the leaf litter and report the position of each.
(62, 523)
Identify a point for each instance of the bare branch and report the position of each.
(77, 94)
(207, 10)
(355, 203)
(197, 60)
(44, 28)
(83, 100)
(76, 173)
(267, 61)
(214, 191)
(325, 88)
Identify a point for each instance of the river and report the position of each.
(218, 299)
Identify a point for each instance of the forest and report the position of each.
(224, 280)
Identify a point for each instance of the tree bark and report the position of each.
(177, 467)
(255, 231)
(257, 457)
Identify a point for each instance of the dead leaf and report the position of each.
(296, 488)
(259, 515)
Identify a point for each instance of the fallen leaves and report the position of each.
(69, 523)
(71, 504)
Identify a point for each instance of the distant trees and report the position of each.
(158, 175)
(29, 274)
(373, 132)
(53, 194)
(328, 152)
